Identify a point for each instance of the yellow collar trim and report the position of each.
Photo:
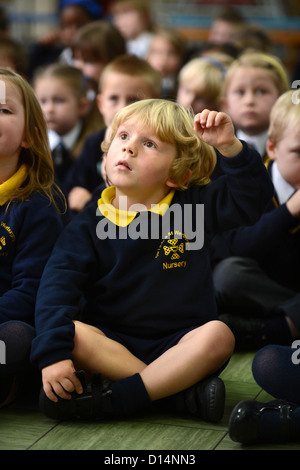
(123, 218)
(14, 182)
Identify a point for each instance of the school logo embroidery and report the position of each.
(5, 239)
(172, 252)
(174, 248)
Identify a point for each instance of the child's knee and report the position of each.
(223, 340)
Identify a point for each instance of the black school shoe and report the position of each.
(249, 332)
(93, 404)
(204, 400)
(246, 427)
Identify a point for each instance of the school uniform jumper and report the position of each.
(135, 283)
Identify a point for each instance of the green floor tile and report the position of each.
(26, 428)
(20, 428)
(128, 436)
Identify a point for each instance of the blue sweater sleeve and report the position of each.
(30, 230)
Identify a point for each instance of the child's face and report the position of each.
(12, 125)
(119, 90)
(130, 23)
(138, 164)
(90, 68)
(250, 96)
(61, 107)
(188, 95)
(163, 57)
(71, 19)
(286, 152)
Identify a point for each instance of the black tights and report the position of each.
(277, 370)
(16, 338)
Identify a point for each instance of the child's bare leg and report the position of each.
(198, 354)
(136, 385)
(96, 352)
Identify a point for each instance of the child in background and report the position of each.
(252, 85)
(14, 56)
(61, 91)
(257, 284)
(166, 55)
(227, 22)
(150, 320)
(56, 46)
(29, 222)
(123, 81)
(133, 19)
(200, 84)
(94, 46)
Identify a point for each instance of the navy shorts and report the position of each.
(145, 349)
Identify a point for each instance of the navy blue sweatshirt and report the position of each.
(142, 286)
(273, 241)
(28, 232)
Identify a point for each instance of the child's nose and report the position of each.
(130, 148)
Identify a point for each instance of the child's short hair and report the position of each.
(207, 73)
(99, 41)
(172, 123)
(13, 50)
(140, 6)
(134, 66)
(285, 111)
(68, 74)
(268, 62)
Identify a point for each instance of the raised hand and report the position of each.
(216, 129)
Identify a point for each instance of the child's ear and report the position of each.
(84, 105)
(99, 101)
(25, 144)
(173, 184)
(271, 147)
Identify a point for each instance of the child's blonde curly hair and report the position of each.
(174, 124)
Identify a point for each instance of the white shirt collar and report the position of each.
(283, 189)
(68, 139)
(258, 141)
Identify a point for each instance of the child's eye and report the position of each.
(4, 111)
(260, 92)
(150, 144)
(123, 136)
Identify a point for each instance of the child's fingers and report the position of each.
(206, 118)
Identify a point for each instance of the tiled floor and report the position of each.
(24, 427)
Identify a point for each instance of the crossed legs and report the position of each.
(196, 355)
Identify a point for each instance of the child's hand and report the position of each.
(78, 197)
(60, 378)
(216, 129)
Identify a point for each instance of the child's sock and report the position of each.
(129, 395)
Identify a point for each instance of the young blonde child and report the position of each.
(276, 366)
(29, 222)
(252, 85)
(123, 81)
(62, 93)
(137, 255)
(200, 84)
(166, 55)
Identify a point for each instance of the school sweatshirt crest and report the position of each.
(110, 270)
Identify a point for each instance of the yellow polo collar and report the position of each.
(123, 218)
(14, 182)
